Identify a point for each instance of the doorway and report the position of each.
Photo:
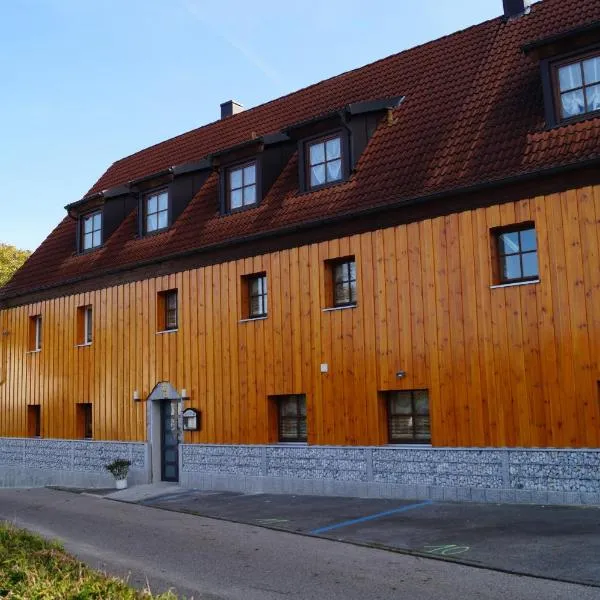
(169, 438)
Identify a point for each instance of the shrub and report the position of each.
(119, 468)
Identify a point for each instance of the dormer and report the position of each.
(330, 145)
(570, 70)
(247, 171)
(98, 216)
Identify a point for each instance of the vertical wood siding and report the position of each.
(514, 366)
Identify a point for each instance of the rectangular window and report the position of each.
(341, 282)
(324, 161)
(257, 296)
(241, 186)
(167, 311)
(35, 333)
(156, 211)
(291, 417)
(84, 420)
(408, 417)
(91, 231)
(34, 421)
(85, 326)
(517, 254)
(578, 87)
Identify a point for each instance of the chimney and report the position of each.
(231, 107)
(516, 8)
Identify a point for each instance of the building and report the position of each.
(386, 283)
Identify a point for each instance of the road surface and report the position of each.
(216, 560)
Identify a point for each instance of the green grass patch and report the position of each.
(32, 568)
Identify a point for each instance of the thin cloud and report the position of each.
(249, 54)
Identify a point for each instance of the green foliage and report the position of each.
(11, 259)
(32, 568)
(119, 468)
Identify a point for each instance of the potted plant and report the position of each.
(119, 469)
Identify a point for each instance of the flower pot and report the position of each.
(120, 484)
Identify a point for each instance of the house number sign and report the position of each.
(191, 419)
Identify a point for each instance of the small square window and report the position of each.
(241, 186)
(577, 86)
(291, 418)
(85, 325)
(91, 231)
(408, 417)
(324, 161)
(517, 254)
(156, 211)
(254, 296)
(167, 317)
(341, 282)
(35, 333)
(84, 421)
(34, 420)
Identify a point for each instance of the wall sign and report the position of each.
(191, 419)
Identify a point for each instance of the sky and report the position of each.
(86, 82)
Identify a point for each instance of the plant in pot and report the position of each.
(119, 469)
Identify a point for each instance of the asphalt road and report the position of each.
(217, 560)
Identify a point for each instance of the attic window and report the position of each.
(241, 186)
(324, 161)
(156, 211)
(577, 85)
(91, 231)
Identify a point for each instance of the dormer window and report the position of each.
(156, 211)
(91, 231)
(241, 186)
(578, 86)
(324, 157)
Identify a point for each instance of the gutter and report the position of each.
(482, 186)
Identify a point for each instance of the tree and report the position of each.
(11, 259)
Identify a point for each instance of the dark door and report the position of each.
(169, 436)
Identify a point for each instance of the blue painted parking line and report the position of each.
(387, 513)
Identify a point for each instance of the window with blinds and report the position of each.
(408, 417)
(292, 418)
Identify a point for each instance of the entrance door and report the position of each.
(169, 437)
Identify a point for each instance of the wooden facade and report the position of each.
(507, 366)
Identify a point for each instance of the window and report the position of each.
(517, 254)
(578, 87)
(292, 418)
(167, 311)
(34, 421)
(241, 186)
(324, 159)
(84, 325)
(156, 209)
(35, 333)
(91, 231)
(254, 296)
(408, 417)
(84, 420)
(341, 282)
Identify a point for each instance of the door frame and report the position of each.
(163, 391)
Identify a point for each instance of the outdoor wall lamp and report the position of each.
(184, 395)
(136, 396)
(401, 374)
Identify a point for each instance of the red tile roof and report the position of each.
(473, 112)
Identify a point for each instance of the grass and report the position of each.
(32, 568)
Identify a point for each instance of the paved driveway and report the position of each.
(217, 560)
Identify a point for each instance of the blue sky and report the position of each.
(86, 82)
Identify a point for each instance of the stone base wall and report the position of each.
(31, 462)
(540, 476)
